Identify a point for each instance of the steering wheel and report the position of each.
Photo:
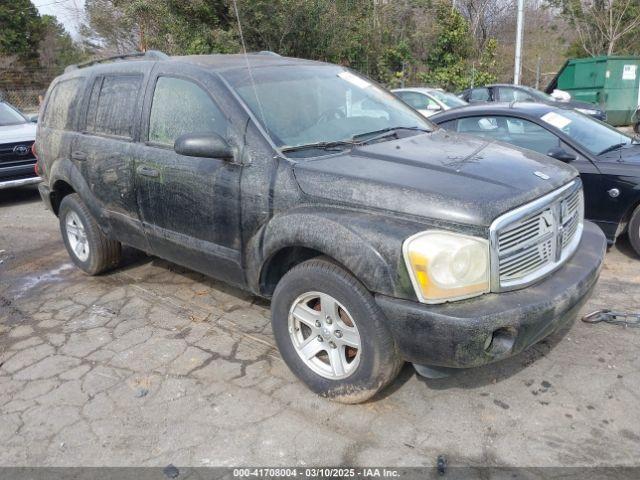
(331, 114)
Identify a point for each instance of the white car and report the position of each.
(429, 101)
(17, 161)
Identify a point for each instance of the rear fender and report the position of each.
(64, 170)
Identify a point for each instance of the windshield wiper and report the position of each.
(383, 133)
(613, 147)
(318, 146)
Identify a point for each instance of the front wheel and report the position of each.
(634, 230)
(332, 334)
(88, 247)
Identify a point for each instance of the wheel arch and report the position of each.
(66, 178)
(295, 237)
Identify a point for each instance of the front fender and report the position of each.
(368, 245)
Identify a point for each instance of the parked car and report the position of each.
(607, 159)
(17, 134)
(518, 93)
(379, 238)
(429, 101)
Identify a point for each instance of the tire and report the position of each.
(636, 128)
(633, 230)
(319, 285)
(88, 247)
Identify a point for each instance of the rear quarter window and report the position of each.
(61, 108)
(112, 105)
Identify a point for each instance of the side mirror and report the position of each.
(561, 154)
(33, 118)
(434, 108)
(207, 145)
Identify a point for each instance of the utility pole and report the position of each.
(517, 69)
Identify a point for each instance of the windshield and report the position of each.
(539, 95)
(305, 105)
(10, 116)
(448, 99)
(595, 136)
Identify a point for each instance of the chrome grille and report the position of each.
(533, 240)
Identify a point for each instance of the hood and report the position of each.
(440, 175)
(23, 132)
(628, 155)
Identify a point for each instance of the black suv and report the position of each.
(379, 237)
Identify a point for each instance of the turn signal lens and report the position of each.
(446, 266)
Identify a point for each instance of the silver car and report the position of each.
(429, 101)
(17, 159)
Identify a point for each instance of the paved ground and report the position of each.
(153, 364)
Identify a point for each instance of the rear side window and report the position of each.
(61, 107)
(112, 105)
(479, 95)
(180, 106)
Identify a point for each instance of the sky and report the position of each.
(68, 12)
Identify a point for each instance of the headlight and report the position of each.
(587, 111)
(447, 266)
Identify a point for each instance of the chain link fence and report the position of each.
(23, 86)
(26, 100)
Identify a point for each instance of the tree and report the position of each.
(604, 27)
(57, 49)
(21, 30)
(451, 62)
(173, 26)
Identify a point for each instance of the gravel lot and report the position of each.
(153, 364)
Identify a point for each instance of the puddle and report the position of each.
(32, 281)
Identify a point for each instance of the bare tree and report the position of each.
(602, 24)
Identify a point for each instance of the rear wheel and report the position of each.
(634, 230)
(88, 247)
(332, 334)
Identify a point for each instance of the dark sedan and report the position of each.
(607, 159)
(506, 93)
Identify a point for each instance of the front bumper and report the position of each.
(495, 326)
(19, 182)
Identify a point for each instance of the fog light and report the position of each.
(501, 341)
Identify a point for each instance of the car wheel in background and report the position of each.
(88, 247)
(634, 230)
(331, 333)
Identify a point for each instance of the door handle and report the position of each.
(81, 156)
(147, 171)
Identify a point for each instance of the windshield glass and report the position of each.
(448, 99)
(539, 95)
(595, 136)
(9, 116)
(304, 105)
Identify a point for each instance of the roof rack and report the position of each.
(148, 55)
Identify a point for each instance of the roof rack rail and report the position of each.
(148, 55)
(268, 52)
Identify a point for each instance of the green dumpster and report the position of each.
(613, 83)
